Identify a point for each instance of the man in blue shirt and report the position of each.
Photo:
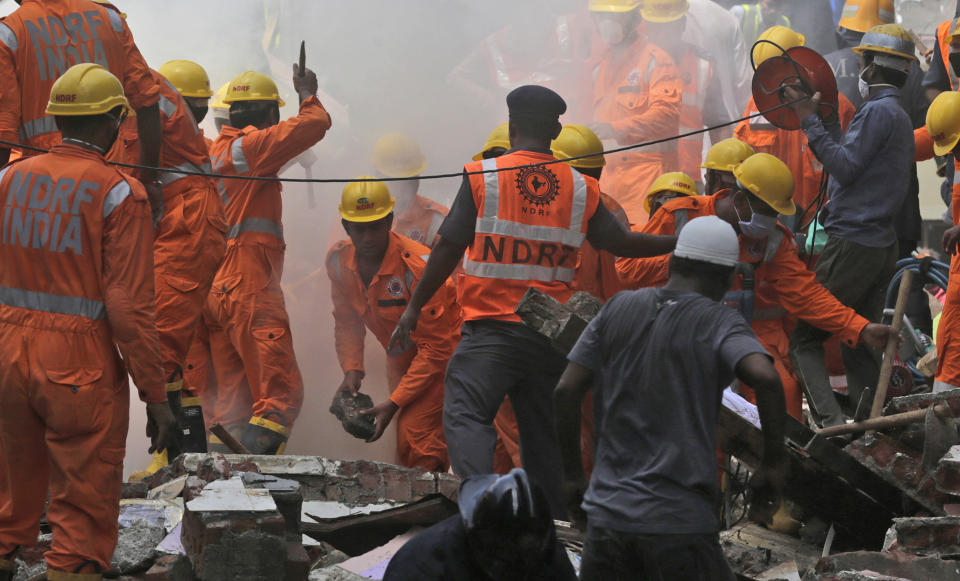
(661, 358)
(869, 169)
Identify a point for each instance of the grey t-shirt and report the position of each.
(661, 360)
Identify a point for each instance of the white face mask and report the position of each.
(611, 32)
(760, 225)
(863, 86)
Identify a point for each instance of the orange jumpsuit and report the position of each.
(76, 283)
(191, 239)
(40, 41)
(782, 283)
(421, 221)
(638, 92)
(791, 147)
(250, 341)
(416, 377)
(948, 333)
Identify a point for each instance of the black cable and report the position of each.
(422, 177)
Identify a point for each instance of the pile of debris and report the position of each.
(886, 505)
(264, 518)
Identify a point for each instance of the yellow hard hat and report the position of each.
(769, 179)
(663, 10)
(252, 86)
(188, 77)
(727, 154)
(86, 89)
(365, 201)
(499, 137)
(785, 37)
(943, 122)
(889, 39)
(397, 155)
(577, 140)
(218, 97)
(862, 15)
(954, 30)
(614, 5)
(675, 181)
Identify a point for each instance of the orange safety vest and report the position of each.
(943, 42)
(695, 73)
(531, 223)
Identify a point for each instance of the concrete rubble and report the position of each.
(213, 517)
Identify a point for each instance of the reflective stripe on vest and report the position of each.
(167, 107)
(490, 224)
(240, 164)
(48, 303)
(167, 178)
(408, 280)
(38, 127)
(517, 271)
(943, 41)
(262, 225)
(116, 21)
(8, 37)
(115, 197)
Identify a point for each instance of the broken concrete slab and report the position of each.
(908, 403)
(168, 490)
(900, 466)
(561, 323)
(752, 550)
(929, 535)
(893, 564)
(347, 407)
(232, 496)
(135, 548)
(948, 472)
(334, 573)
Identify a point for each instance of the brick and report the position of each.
(397, 484)
(132, 490)
(369, 475)
(170, 568)
(923, 400)
(879, 450)
(232, 545)
(297, 566)
(424, 484)
(214, 467)
(448, 485)
(905, 469)
(948, 472)
(887, 565)
(929, 535)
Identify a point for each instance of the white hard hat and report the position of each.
(708, 239)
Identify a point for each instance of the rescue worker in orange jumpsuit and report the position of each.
(781, 281)
(39, 41)
(372, 276)
(397, 155)
(720, 162)
(77, 282)
(189, 242)
(523, 228)
(791, 147)
(258, 380)
(941, 136)
(637, 98)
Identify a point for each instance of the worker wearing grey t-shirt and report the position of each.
(661, 358)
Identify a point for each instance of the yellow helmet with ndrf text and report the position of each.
(663, 10)
(397, 155)
(499, 137)
(727, 154)
(365, 201)
(781, 37)
(862, 15)
(943, 122)
(252, 86)
(86, 89)
(769, 179)
(189, 78)
(614, 5)
(577, 140)
(675, 181)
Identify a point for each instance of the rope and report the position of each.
(458, 174)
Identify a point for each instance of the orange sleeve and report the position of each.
(9, 96)
(270, 149)
(128, 291)
(647, 272)
(924, 144)
(138, 82)
(661, 117)
(804, 298)
(348, 328)
(436, 337)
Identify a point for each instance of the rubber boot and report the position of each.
(160, 459)
(194, 429)
(263, 436)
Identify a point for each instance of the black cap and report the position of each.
(535, 101)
